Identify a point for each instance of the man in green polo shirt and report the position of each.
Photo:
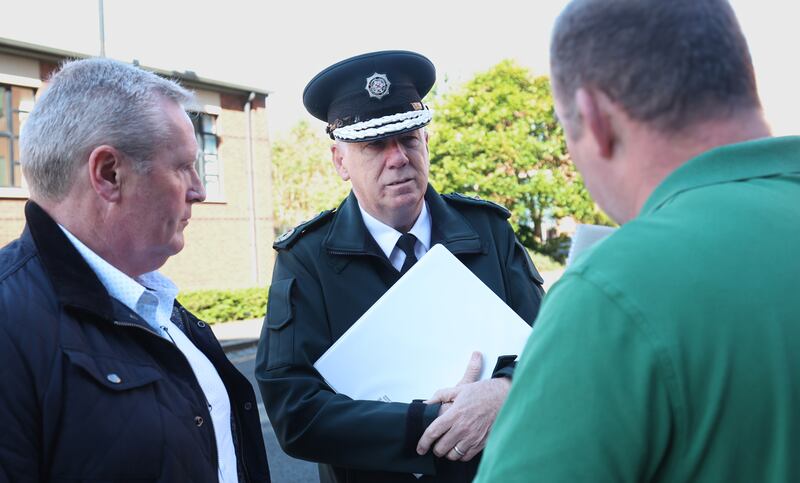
(670, 351)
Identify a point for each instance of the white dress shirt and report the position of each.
(387, 237)
(152, 297)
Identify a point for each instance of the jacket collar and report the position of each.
(450, 228)
(734, 162)
(74, 282)
(349, 236)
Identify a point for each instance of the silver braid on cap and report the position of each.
(383, 125)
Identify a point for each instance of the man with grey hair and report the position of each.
(329, 271)
(103, 375)
(670, 351)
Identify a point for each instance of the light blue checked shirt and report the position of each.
(152, 297)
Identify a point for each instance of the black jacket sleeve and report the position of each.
(20, 418)
(311, 421)
(525, 292)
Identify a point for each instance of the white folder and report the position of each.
(419, 336)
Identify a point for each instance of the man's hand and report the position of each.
(468, 411)
(471, 374)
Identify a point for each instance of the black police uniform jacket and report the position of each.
(328, 272)
(88, 392)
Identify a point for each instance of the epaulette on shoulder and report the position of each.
(286, 240)
(476, 201)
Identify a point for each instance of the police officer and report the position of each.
(330, 270)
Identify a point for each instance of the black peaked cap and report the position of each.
(369, 87)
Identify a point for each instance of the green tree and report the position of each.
(304, 180)
(497, 137)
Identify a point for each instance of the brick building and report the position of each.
(229, 238)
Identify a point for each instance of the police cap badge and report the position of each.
(372, 96)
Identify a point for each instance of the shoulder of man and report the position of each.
(13, 256)
(464, 200)
(290, 237)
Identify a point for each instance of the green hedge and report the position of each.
(215, 306)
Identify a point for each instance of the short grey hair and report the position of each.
(670, 64)
(90, 103)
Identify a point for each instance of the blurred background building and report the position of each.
(229, 238)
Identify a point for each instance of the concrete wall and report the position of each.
(12, 219)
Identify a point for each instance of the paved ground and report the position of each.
(283, 468)
(237, 335)
(551, 277)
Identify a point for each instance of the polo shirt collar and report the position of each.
(759, 158)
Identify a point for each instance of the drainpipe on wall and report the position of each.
(266, 186)
(251, 179)
(102, 28)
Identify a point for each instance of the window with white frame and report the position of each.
(15, 104)
(209, 166)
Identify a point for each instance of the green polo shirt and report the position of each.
(671, 351)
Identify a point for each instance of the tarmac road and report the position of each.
(283, 468)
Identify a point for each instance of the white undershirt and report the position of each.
(152, 297)
(387, 237)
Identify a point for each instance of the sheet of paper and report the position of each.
(419, 336)
(585, 237)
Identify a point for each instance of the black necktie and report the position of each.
(406, 243)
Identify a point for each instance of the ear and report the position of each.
(104, 172)
(593, 108)
(337, 156)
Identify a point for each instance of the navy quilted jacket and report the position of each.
(88, 392)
